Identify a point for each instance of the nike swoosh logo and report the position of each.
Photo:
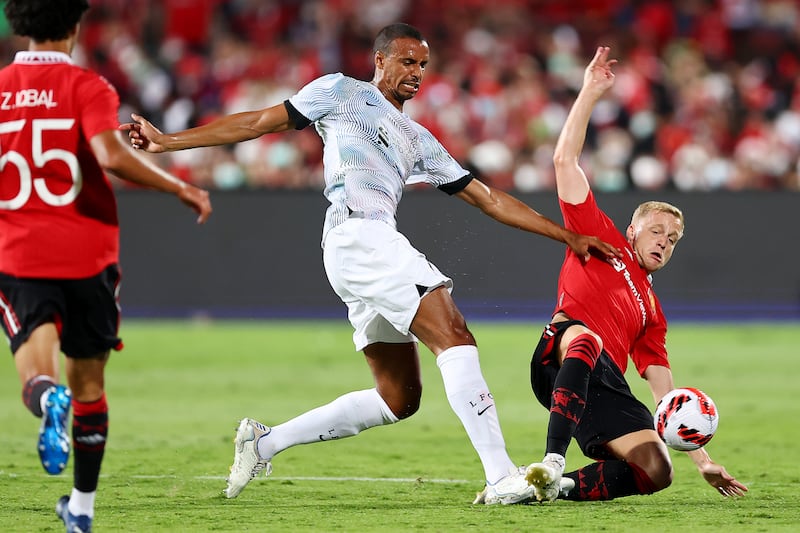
(371, 104)
(485, 409)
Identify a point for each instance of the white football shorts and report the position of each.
(377, 273)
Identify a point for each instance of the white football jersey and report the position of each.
(371, 150)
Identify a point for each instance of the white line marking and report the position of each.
(319, 478)
(274, 478)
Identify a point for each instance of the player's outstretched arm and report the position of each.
(115, 156)
(571, 182)
(509, 210)
(659, 379)
(716, 475)
(226, 130)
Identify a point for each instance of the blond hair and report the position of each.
(659, 207)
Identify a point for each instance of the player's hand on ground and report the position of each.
(197, 199)
(599, 76)
(585, 246)
(721, 480)
(142, 134)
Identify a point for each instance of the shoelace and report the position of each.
(258, 467)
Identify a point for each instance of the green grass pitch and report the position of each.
(178, 389)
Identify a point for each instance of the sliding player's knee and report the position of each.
(658, 469)
(662, 476)
(652, 467)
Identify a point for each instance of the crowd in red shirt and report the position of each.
(707, 94)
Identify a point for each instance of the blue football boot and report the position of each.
(75, 524)
(54, 442)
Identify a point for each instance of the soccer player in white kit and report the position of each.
(394, 295)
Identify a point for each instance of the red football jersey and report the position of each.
(615, 298)
(58, 214)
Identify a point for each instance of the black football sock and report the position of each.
(606, 480)
(32, 393)
(569, 392)
(89, 432)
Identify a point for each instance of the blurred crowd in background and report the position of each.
(707, 95)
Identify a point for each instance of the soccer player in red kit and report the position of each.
(607, 310)
(59, 237)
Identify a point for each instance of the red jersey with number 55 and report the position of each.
(58, 214)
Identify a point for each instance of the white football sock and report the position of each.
(472, 402)
(345, 416)
(81, 503)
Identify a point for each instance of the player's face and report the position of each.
(402, 69)
(653, 238)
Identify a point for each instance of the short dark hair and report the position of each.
(44, 20)
(391, 32)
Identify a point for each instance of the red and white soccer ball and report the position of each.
(686, 419)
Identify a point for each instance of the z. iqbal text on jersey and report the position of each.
(27, 98)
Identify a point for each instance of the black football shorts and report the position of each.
(85, 311)
(611, 408)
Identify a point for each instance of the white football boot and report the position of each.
(512, 489)
(566, 485)
(246, 462)
(545, 477)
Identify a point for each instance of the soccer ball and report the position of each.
(686, 419)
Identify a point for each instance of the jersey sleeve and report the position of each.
(319, 97)
(99, 105)
(438, 167)
(651, 348)
(586, 217)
